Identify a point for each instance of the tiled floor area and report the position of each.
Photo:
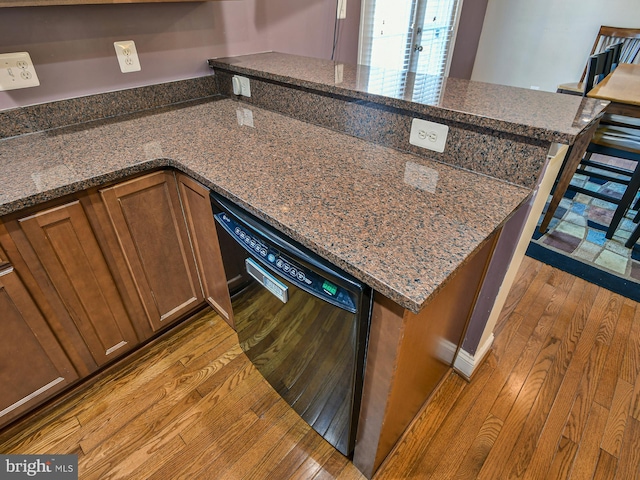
(578, 230)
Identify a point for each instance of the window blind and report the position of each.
(390, 34)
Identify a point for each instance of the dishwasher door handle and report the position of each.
(268, 281)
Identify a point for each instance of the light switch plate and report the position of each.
(342, 9)
(430, 135)
(127, 56)
(17, 71)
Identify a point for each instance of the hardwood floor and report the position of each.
(558, 397)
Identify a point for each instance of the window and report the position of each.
(402, 37)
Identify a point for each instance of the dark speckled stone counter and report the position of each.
(399, 222)
(517, 111)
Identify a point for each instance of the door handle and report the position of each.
(268, 281)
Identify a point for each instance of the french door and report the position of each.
(398, 37)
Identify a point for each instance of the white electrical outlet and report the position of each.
(428, 135)
(241, 86)
(17, 71)
(127, 56)
(342, 9)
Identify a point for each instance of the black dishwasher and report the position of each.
(303, 322)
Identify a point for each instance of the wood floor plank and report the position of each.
(514, 383)
(563, 459)
(154, 397)
(223, 457)
(551, 324)
(631, 360)
(287, 466)
(140, 435)
(333, 467)
(585, 462)
(570, 320)
(634, 409)
(166, 355)
(620, 406)
(276, 440)
(136, 385)
(234, 424)
(313, 463)
(564, 400)
(129, 467)
(264, 466)
(629, 461)
(209, 449)
(58, 435)
(476, 455)
(606, 467)
(531, 295)
(543, 346)
(405, 455)
(119, 410)
(515, 422)
(441, 461)
(195, 420)
(562, 347)
(222, 405)
(526, 275)
(587, 389)
(424, 459)
(438, 453)
(609, 377)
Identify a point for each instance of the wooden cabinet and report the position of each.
(83, 282)
(147, 217)
(204, 241)
(33, 365)
(76, 280)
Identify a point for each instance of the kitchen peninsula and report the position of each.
(419, 227)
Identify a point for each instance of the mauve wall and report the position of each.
(467, 38)
(72, 46)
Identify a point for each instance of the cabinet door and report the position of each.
(76, 268)
(204, 240)
(33, 366)
(148, 221)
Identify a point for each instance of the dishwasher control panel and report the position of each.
(284, 266)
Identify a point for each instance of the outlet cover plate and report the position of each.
(17, 71)
(241, 86)
(127, 56)
(429, 135)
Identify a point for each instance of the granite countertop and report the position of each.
(530, 113)
(399, 222)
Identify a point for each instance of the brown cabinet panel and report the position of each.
(33, 366)
(69, 252)
(146, 215)
(204, 240)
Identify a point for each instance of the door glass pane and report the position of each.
(405, 36)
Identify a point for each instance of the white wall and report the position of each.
(544, 43)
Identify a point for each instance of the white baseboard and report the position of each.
(466, 363)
